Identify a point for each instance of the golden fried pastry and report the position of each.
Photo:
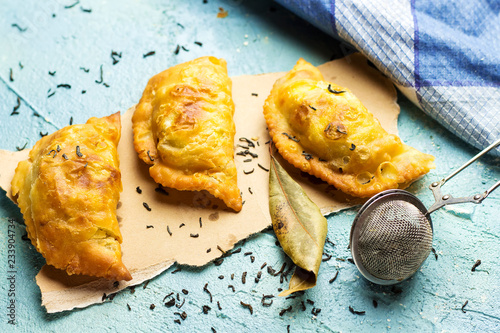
(183, 126)
(324, 130)
(68, 190)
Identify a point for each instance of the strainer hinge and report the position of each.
(447, 199)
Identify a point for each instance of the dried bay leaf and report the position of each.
(299, 226)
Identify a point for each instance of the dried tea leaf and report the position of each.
(299, 226)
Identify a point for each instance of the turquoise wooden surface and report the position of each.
(44, 44)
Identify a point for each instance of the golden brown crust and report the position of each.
(68, 190)
(183, 126)
(323, 129)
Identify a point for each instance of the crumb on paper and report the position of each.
(222, 13)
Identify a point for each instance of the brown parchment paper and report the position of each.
(148, 248)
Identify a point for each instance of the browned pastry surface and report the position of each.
(183, 126)
(68, 190)
(324, 130)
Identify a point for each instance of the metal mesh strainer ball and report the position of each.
(391, 237)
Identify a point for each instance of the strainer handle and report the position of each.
(443, 200)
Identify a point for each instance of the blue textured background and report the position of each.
(256, 37)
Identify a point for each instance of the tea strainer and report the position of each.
(391, 235)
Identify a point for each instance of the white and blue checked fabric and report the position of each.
(443, 55)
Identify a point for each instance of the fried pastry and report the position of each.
(67, 191)
(323, 129)
(183, 126)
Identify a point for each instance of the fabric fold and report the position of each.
(444, 56)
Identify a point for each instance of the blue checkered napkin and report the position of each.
(443, 55)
